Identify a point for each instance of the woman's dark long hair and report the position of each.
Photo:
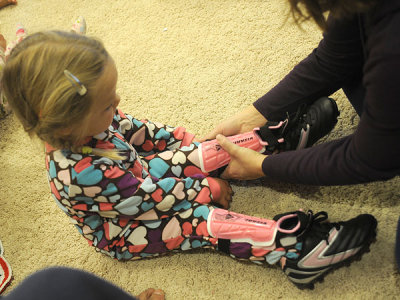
(303, 10)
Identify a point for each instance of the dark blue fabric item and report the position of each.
(65, 284)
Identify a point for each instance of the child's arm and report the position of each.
(148, 137)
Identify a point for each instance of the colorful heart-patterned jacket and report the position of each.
(121, 205)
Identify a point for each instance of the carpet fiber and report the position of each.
(191, 63)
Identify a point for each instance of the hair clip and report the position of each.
(80, 88)
(87, 150)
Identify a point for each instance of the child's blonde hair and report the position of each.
(40, 94)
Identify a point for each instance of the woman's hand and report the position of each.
(245, 164)
(244, 121)
(225, 195)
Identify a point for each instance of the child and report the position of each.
(134, 188)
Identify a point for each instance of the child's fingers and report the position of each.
(230, 190)
(224, 203)
(228, 196)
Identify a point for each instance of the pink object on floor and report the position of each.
(20, 34)
(79, 26)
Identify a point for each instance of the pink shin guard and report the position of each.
(213, 156)
(223, 224)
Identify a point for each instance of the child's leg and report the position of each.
(306, 245)
(299, 130)
(187, 230)
(181, 162)
(265, 140)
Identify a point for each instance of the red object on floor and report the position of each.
(5, 271)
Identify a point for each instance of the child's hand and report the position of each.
(3, 43)
(225, 196)
(152, 294)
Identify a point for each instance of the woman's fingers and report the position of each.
(245, 164)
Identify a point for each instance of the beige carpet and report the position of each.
(190, 63)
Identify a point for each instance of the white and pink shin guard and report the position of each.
(212, 156)
(239, 228)
(224, 224)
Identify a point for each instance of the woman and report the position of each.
(359, 53)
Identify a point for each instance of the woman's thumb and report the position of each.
(226, 144)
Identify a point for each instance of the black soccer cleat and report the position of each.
(303, 128)
(319, 247)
